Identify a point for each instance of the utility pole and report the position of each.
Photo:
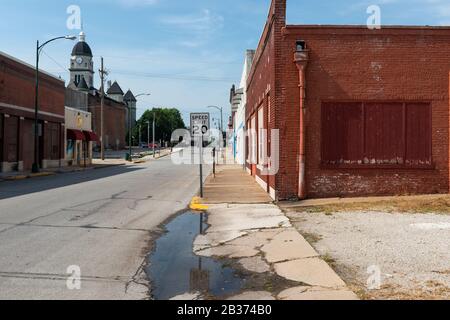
(102, 140)
(140, 141)
(148, 133)
(154, 149)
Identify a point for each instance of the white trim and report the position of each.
(8, 166)
(261, 182)
(273, 193)
(10, 106)
(46, 164)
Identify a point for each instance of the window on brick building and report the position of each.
(253, 143)
(376, 134)
(247, 142)
(261, 138)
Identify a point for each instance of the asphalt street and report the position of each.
(98, 222)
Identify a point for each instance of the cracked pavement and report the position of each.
(263, 240)
(100, 220)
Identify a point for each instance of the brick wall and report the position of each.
(357, 64)
(264, 86)
(17, 87)
(17, 103)
(114, 121)
(350, 64)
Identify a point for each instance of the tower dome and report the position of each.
(82, 65)
(82, 48)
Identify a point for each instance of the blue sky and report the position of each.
(187, 53)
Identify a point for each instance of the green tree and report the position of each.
(167, 120)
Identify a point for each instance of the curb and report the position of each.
(108, 166)
(13, 178)
(29, 176)
(41, 174)
(151, 159)
(196, 204)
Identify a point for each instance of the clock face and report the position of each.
(79, 60)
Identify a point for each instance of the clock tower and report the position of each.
(82, 65)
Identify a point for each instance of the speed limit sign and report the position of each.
(199, 129)
(199, 124)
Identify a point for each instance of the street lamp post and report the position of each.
(140, 141)
(130, 110)
(221, 124)
(221, 119)
(148, 133)
(154, 149)
(39, 48)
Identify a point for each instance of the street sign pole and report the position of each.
(201, 164)
(199, 127)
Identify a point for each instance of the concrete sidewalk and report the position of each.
(233, 185)
(246, 227)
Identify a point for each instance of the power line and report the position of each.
(169, 77)
(56, 62)
(236, 62)
(156, 76)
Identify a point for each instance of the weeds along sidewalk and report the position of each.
(248, 228)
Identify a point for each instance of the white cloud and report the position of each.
(137, 3)
(205, 21)
(196, 29)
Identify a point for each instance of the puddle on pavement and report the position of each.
(174, 269)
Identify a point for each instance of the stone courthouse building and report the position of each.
(81, 94)
(359, 111)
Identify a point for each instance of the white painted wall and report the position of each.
(239, 120)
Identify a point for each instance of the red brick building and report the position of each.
(17, 94)
(359, 111)
(114, 116)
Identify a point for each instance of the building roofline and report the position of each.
(77, 110)
(363, 29)
(30, 66)
(97, 95)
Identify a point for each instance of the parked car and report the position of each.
(150, 145)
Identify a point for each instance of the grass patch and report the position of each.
(329, 259)
(312, 238)
(433, 205)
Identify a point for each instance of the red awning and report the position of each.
(75, 135)
(91, 136)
